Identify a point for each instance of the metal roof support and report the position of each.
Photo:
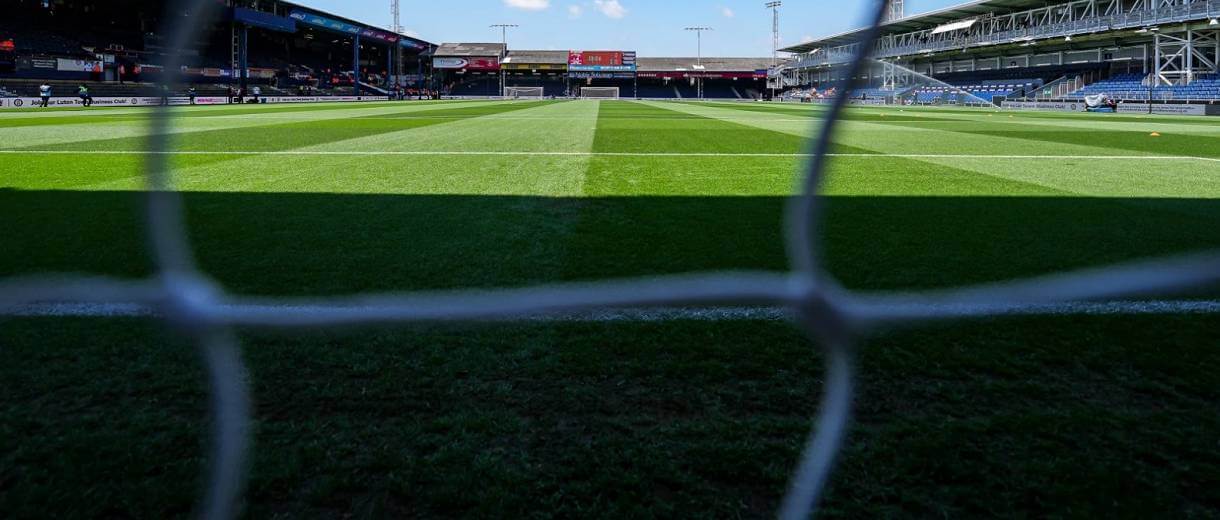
(1180, 57)
(997, 26)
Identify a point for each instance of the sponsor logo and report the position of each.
(449, 63)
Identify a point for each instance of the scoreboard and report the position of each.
(595, 58)
(601, 61)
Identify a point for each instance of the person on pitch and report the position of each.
(82, 92)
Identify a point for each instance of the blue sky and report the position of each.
(650, 27)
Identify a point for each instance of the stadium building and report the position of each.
(283, 49)
(1001, 51)
(490, 70)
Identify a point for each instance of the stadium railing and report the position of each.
(191, 303)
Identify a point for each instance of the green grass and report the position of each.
(1064, 416)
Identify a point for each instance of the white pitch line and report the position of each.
(605, 154)
(1121, 308)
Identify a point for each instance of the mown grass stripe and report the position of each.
(877, 155)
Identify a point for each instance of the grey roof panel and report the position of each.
(927, 20)
(709, 64)
(540, 57)
(470, 49)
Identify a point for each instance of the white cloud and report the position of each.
(528, 5)
(412, 33)
(728, 13)
(575, 11)
(610, 8)
(806, 39)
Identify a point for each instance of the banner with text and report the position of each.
(65, 102)
(1129, 108)
(474, 64)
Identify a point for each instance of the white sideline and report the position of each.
(720, 314)
(607, 154)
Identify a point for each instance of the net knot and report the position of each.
(190, 300)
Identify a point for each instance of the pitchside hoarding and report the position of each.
(705, 75)
(1127, 108)
(64, 102)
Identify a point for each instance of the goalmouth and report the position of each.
(523, 93)
(599, 92)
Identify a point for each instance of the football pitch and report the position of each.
(1108, 410)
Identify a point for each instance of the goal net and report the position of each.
(599, 92)
(523, 92)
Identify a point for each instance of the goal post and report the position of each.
(599, 92)
(524, 92)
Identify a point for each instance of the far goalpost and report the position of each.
(599, 92)
(523, 93)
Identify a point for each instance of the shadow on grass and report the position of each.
(1100, 416)
(301, 244)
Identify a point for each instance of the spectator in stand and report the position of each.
(44, 91)
(122, 72)
(85, 98)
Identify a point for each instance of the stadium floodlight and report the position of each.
(699, 37)
(774, 7)
(1214, 21)
(396, 51)
(504, 27)
(1068, 38)
(699, 57)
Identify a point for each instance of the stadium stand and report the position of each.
(982, 91)
(721, 78)
(1135, 87)
(537, 68)
(475, 69)
(1027, 50)
(288, 49)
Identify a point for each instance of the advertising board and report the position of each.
(475, 64)
(66, 65)
(65, 102)
(1126, 108)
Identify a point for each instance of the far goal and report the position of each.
(599, 92)
(523, 92)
